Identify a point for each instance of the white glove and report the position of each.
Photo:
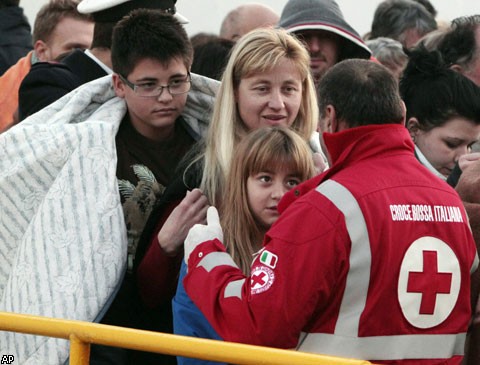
(200, 233)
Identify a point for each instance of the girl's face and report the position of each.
(270, 98)
(442, 146)
(264, 191)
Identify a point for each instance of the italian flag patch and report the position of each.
(269, 259)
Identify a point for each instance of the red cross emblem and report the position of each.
(429, 282)
(259, 279)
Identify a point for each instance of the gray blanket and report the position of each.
(63, 239)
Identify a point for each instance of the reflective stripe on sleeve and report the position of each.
(234, 289)
(358, 278)
(214, 259)
(474, 264)
(385, 347)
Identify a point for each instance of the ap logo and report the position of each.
(7, 359)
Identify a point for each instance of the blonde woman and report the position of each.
(266, 82)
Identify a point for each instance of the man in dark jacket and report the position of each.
(58, 29)
(16, 40)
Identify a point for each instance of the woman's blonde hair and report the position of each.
(265, 149)
(256, 52)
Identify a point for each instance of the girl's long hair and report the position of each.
(265, 149)
(256, 52)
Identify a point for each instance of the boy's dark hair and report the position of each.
(433, 93)
(362, 93)
(146, 33)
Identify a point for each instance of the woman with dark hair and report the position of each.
(443, 112)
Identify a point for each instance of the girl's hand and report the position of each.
(468, 159)
(191, 210)
(319, 162)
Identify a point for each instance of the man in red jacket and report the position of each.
(370, 260)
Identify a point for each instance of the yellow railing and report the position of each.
(82, 334)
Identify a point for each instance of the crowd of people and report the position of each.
(286, 182)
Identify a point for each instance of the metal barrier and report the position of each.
(82, 334)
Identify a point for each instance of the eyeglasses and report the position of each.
(151, 89)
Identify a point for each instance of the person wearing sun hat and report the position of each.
(47, 82)
(326, 33)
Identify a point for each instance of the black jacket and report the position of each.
(15, 37)
(49, 81)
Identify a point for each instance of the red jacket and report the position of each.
(370, 260)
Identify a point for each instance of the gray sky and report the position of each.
(207, 15)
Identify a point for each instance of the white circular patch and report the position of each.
(429, 282)
(261, 279)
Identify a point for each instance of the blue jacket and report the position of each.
(189, 321)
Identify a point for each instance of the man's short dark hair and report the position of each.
(102, 35)
(211, 57)
(393, 18)
(362, 93)
(146, 33)
(458, 45)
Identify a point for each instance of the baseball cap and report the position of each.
(113, 10)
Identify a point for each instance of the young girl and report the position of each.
(268, 163)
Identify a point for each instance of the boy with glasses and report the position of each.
(151, 59)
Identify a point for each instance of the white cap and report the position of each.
(98, 6)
